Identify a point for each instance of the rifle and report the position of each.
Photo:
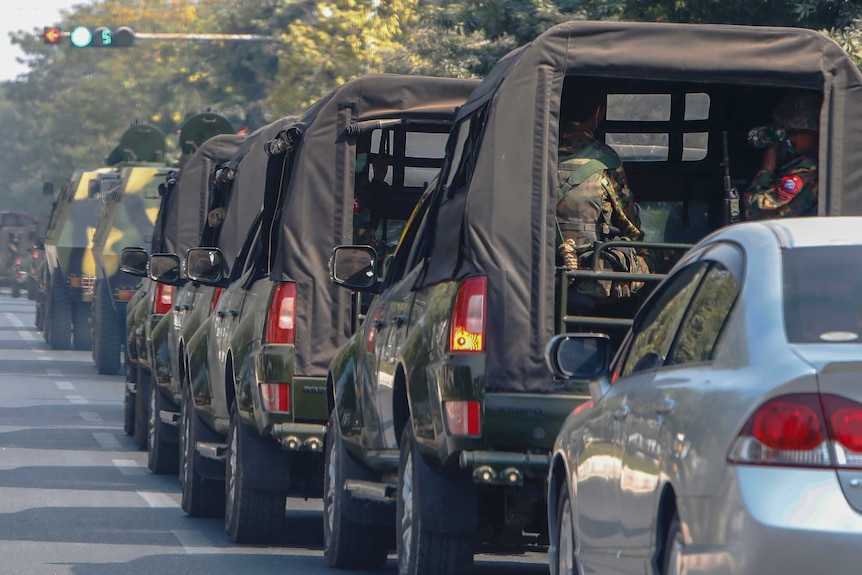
(731, 195)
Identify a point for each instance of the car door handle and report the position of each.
(378, 323)
(664, 406)
(622, 412)
(234, 312)
(221, 313)
(400, 320)
(186, 307)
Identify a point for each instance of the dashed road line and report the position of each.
(67, 385)
(107, 441)
(156, 499)
(77, 399)
(128, 467)
(194, 542)
(53, 372)
(91, 416)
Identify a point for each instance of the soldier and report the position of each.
(594, 202)
(786, 184)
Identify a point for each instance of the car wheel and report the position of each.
(108, 333)
(16, 289)
(421, 551)
(59, 317)
(565, 544)
(82, 338)
(142, 408)
(129, 402)
(251, 515)
(202, 497)
(163, 457)
(673, 548)
(346, 545)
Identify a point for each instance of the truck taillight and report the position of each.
(216, 296)
(463, 418)
(802, 430)
(281, 320)
(163, 299)
(275, 396)
(467, 332)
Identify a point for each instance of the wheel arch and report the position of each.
(558, 479)
(400, 402)
(667, 508)
(229, 382)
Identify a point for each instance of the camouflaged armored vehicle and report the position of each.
(17, 234)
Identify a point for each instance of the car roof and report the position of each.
(816, 231)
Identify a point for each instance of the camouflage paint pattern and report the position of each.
(787, 192)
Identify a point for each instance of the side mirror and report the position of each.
(354, 267)
(165, 268)
(48, 189)
(133, 261)
(205, 265)
(581, 356)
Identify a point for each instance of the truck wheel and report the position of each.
(347, 545)
(108, 334)
(81, 337)
(420, 550)
(32, 290)
(202, 497)
(251, 516)
(59, 317)
(142, 415)
(16, 289)
(129, 401)
(163, 457)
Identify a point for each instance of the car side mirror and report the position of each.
(354, 267)
(581, 357)
(165, 268)
(205, 265)
(133, 261)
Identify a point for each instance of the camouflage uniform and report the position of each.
(790, 190)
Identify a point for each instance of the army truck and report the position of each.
(443, 409)
(180, 219)
(17, 234)
(67, 272)
(130, 201)
(257, 366)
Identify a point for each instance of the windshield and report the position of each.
(823, 294)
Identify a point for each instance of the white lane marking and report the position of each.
(23, 332)
(91, 416)
(77, 399)
(68, 385)
(107, 441)
(156, 499)
(128, 467)
(53, 372)
(194, 542)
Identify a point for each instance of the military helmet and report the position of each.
(798, 111)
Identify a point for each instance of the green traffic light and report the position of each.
(80, 37)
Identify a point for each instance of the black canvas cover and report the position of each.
(505, 213)
(184, 207)
(318, 198)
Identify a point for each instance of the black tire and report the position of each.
(16, 289)
(671, 561)
(251, 516)
(32, 289)
(202, 497)
(564, 563)
(129, 401)
(142, 408)
(82, 337)
(163, 457)
(108, 329)
(346, 545)
(58, 319)
(420, 550)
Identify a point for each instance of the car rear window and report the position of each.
(823, 294)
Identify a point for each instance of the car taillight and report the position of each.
(163, 299)
(216, 296)
(802, 429)
(280, 322)
(275, 396)
(35, 255)
(463, 417)
(468, 318)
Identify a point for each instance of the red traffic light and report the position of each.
(51, 35)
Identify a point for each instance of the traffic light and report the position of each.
(102, 37)
(51, 35)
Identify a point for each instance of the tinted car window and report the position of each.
(823, 294)
(657, 323)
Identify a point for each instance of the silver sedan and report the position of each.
(725, 437)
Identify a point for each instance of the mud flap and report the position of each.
(450, 499)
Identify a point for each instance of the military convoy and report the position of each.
(417, 401)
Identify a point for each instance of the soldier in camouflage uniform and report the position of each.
(594, 201)
(786, 185)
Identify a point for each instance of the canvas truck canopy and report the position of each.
(185, 203)
(500, 192)
(248, 173)
(318, 197)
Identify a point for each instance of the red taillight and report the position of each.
(803, 429)
(17, 261)
(163, 299)
(275, 396)
(468, 318)
(36, 255)
(281, 321)
(216, 295)
(463, 417)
